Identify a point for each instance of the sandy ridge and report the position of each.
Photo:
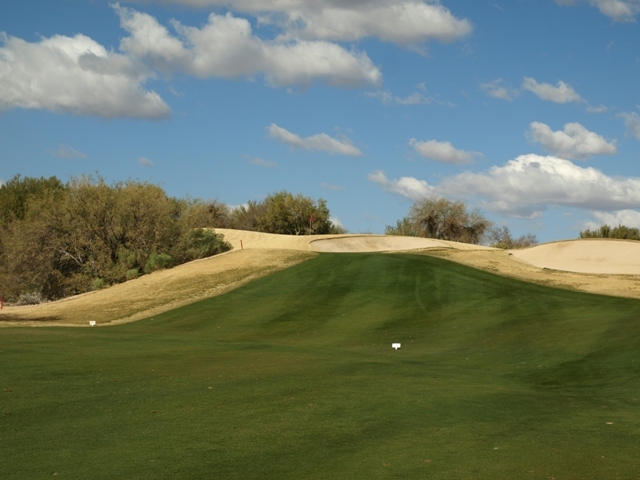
(158, 292)
(346, 243)
(596, 266)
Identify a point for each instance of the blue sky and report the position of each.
(528, 110)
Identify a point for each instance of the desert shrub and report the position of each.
(500, 237)
(438, 217)
(605, 231)
(132, 273)
(284, 213)
(204, 242)
(157, 261)
(31, 298)
(127, 258)
(98, 283)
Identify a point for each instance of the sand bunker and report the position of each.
(596, 256)
(372, 243)
(349, 243)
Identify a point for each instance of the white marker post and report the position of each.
(395, 346)
(92, 323)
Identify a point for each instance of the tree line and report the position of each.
(59, 239)
(605, 231)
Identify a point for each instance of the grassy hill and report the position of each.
(293, 376)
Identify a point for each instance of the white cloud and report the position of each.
(387, 98)
(401, 22)
(531, 182)
(328, 186)
(561, 93)
(336, 221)
(408, 187)
(629, 218)
(632, 121)
(599, 109)
(236, 207)
(575, 141)
(145, 162)
(320, 142)
(262, 163)
(441, 152)
(496, 89)
(618, 10)
(65, 151)
(74, 75)
(404, 22)
(526, 186)
(226, 47)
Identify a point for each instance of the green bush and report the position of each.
(131, 274)
(158, 261)
(204, 242)
(127, 258)
(98, 283)
(605, 231)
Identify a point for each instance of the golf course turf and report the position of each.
(293, 376)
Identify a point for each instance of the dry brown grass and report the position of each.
(158, 292)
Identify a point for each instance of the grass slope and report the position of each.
(293, 376)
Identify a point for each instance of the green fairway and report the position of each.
(293, 377)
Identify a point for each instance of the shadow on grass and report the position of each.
(19, 319)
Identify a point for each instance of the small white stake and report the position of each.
(395, 345)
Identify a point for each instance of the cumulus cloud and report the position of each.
(226, 47)
(575, 141)
(617, 10)
(526, 186)
(74, 75)
(145, 162)
(408, 187)
(78, 75)
(530, 182)
(387, 98)
(403, 22)
(632, 121)
(336, 221)
(441, 152)
(65, 151)
(630, 218)
(496, 89)
(561, 93)
(320, 142)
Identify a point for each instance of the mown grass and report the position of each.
(293, 376)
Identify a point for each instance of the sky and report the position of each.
(528, 110)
